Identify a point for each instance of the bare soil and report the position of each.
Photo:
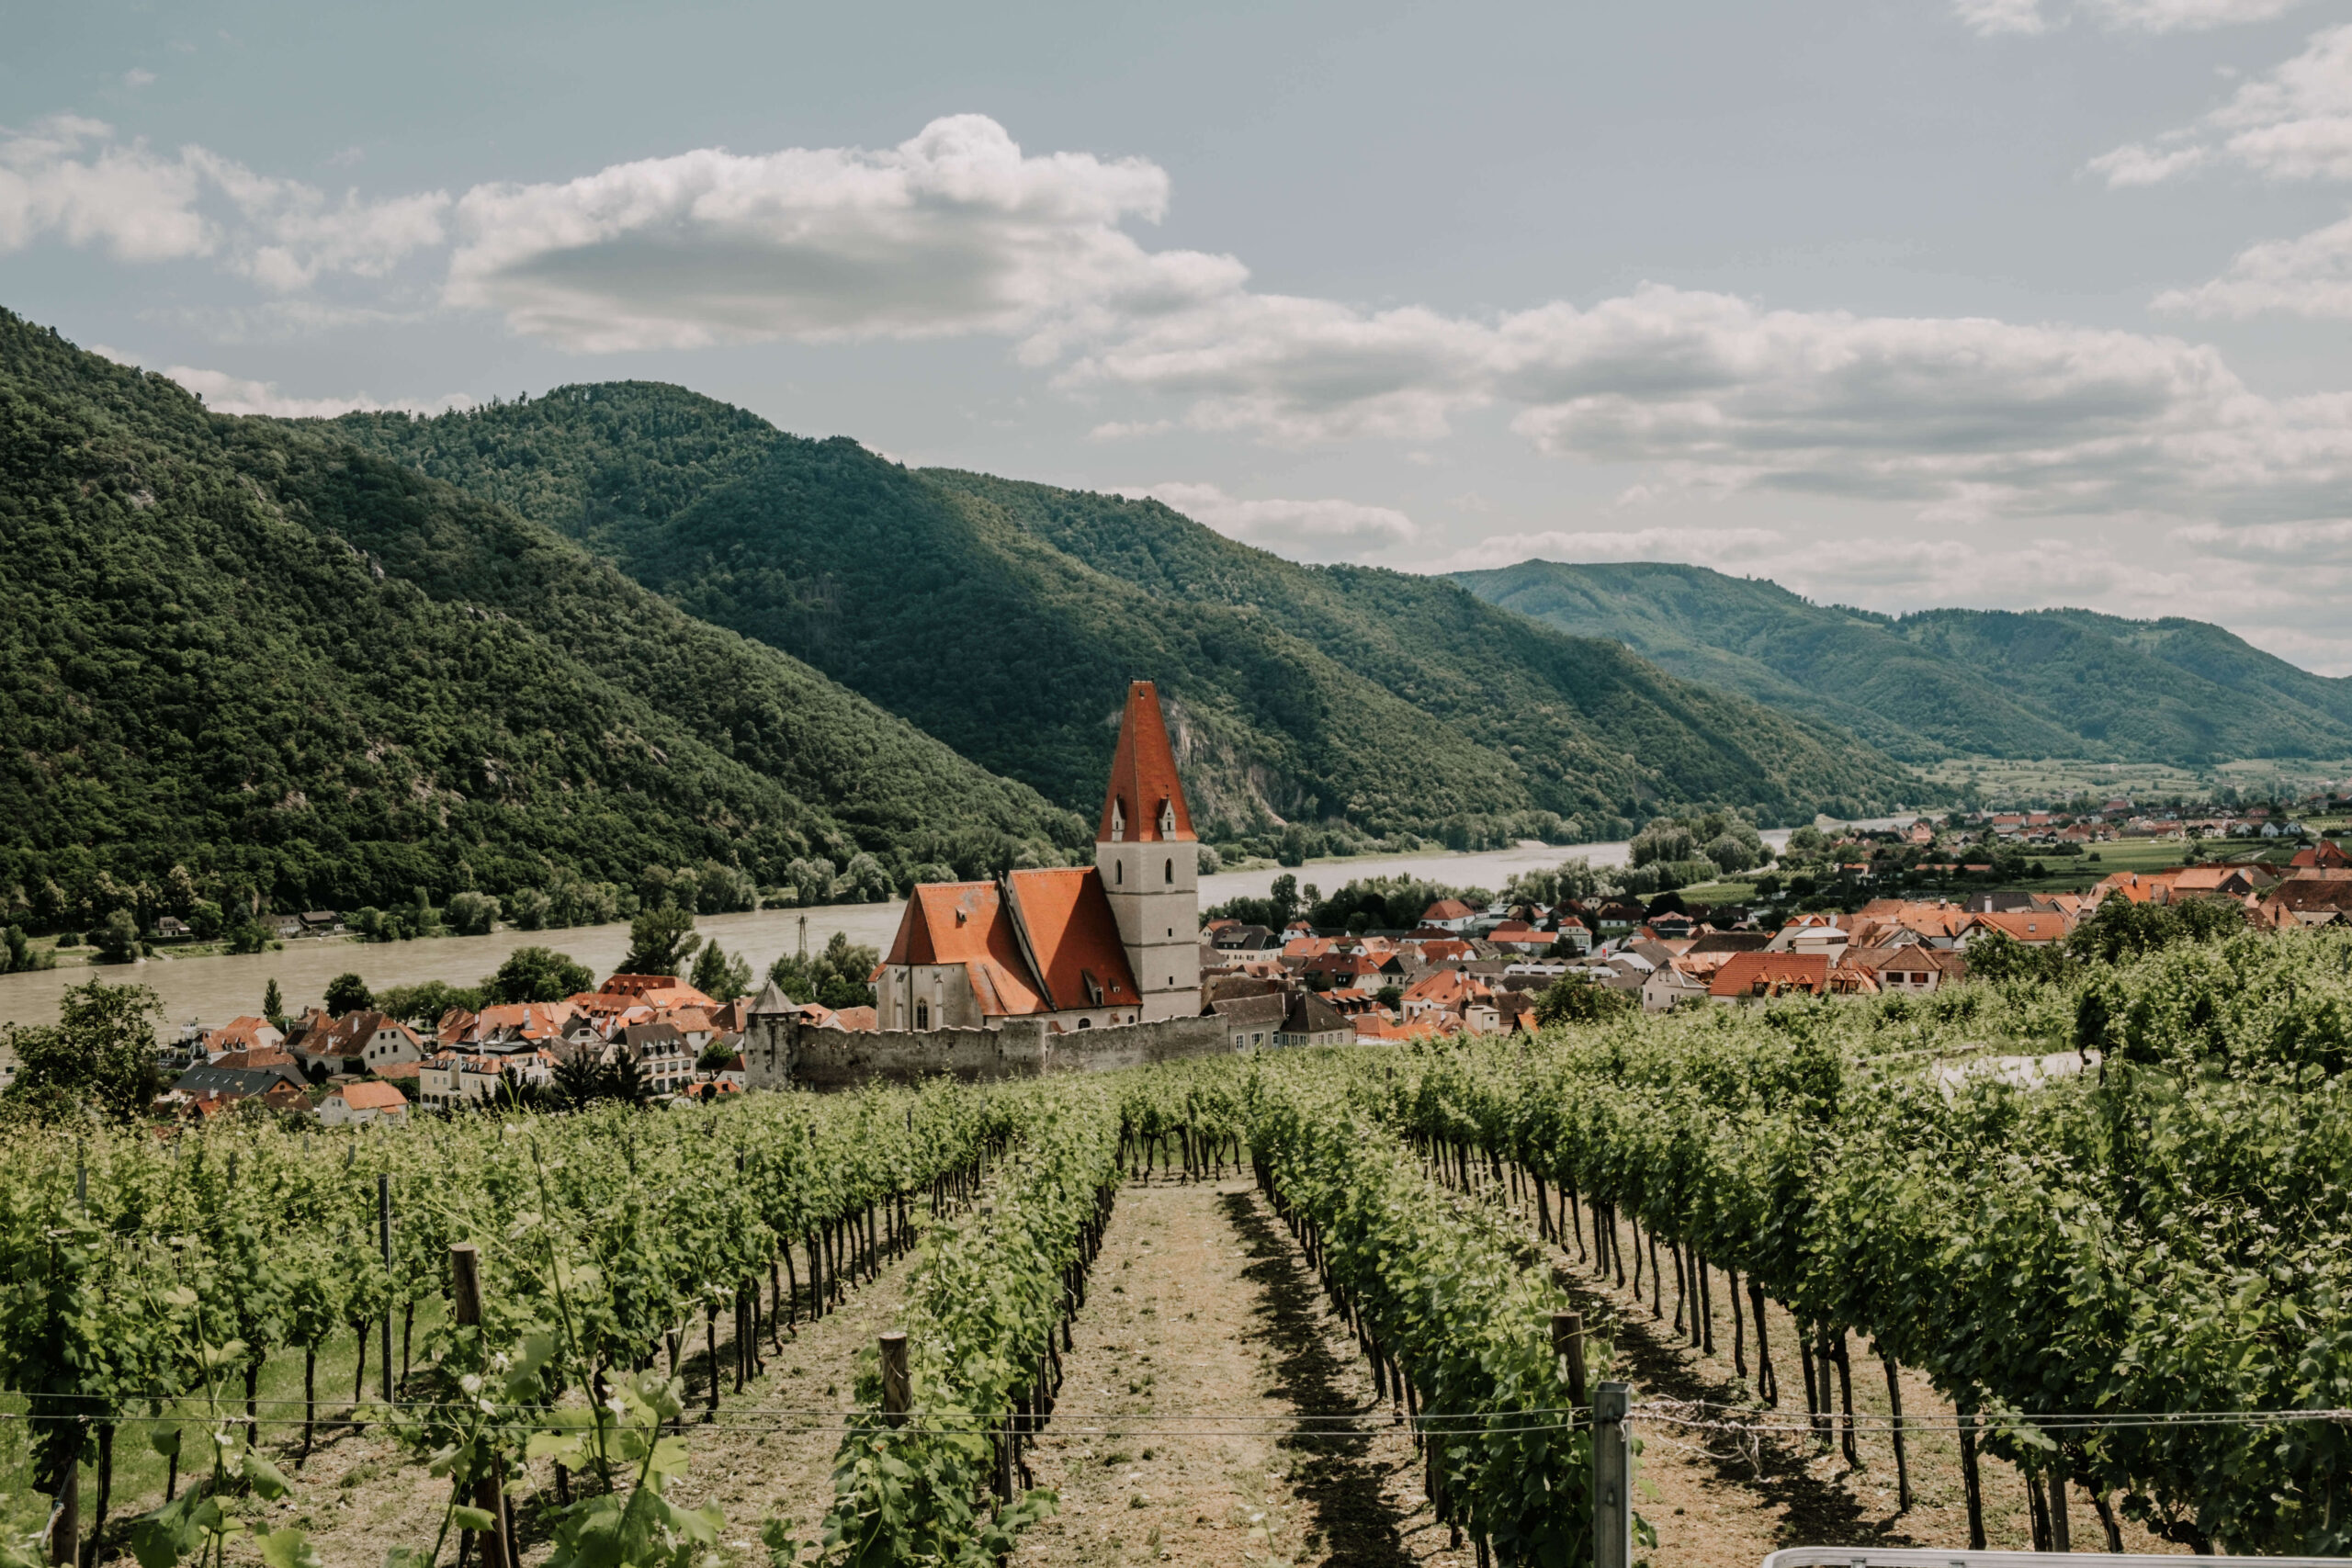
(1201, 1304)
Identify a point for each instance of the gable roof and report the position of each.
(1072, 937)
(1143, 776)
(1310, 1014)
(965, 923)
(1742, 972)
(369, 1096)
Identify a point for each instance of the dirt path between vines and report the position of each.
(359, 1495)
(1717, 1505)
(1200, 1302)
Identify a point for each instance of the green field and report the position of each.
(2010, 782)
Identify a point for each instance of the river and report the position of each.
(215, 990)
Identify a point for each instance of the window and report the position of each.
(1170, 873)
(1119, 871)
(922, 1015)
(1086, 1023)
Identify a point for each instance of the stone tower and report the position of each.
(1149, 862)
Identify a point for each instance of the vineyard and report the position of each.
(2082, 1254)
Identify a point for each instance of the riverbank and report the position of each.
(215, 988)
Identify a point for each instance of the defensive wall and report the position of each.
(781, 1053)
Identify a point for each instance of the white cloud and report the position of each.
(71, 178)
(1311, 530)
(68, 177)
(1994, 16)
(1991, 17)
(139, 76)
(954, 230)
(2293, 124)
(2309, 276)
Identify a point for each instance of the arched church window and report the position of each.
(1119, 871)
(922, 1015)
(1170, 874)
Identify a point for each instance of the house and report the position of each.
(1115, 942)
(360, 1042)
(171, 928)
(1685, 979)
(357, 1104)
(280, 1063)
(1912, 968)
(1809, 933)
(1234, 937)
(1753, 977)
(2313, 898)
(2324, 855)
(246, 1033)
(663, 1059)
(232, 1083)
(284, 1096)
(1727, 942)
(1449, 915)
(321, 923)
(1313, 1021)
(2030, 928)
(1442, 991)
(1252, 1022)
(450, 1081)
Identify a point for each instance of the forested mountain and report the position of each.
(303, 673)
(1941, 682)
(1007, 618)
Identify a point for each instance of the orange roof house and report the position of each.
(1054, 943)
(2029, 927)
(1758, 977)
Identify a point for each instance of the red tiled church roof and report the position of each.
(1143, 776)
(966, 922)
(1076, 940)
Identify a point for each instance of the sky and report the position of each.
(1997, 303)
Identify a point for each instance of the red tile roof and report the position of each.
(1742, 972)
(1143, 776)
(966, 922)
(1074, 937)
(369, 1096)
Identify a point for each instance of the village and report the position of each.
(1074, 950)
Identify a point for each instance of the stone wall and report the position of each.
(781, 1054)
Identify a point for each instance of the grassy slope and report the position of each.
(1006, 619)
(2056, 683)
(294, 666)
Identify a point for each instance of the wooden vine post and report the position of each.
(465, 1294)
(1567, 1342)
(1612, 1477)
(898, 1391)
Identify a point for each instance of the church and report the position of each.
(1067, 948)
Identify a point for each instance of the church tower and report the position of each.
(1149, 862)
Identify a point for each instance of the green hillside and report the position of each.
(1945, 683)
(305, 674)
(1007, 618)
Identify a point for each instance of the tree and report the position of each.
(660, 940)
(273, 1001)
(715, 1057)
(18, 955)
(347, 994)
(118, 939)
(423, 1003)
(472, 914)
(720, 978)
(542, 975)
(1575, 998)
(834, 977)
(580, 1079)
(100, 1052)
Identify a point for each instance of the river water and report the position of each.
(215, 990)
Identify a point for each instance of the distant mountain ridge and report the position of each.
(1945, 683)
(302, 673)
(1006, 618)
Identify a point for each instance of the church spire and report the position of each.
(1145, 802)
